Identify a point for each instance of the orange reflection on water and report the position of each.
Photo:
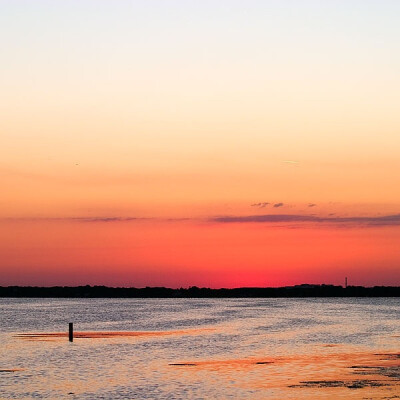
(11, 369)
(48, 336)
(347, 375)
(323, 371)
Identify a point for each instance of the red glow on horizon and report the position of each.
(206, 255)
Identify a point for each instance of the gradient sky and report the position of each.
(210, 143)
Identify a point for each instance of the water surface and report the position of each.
(200, 348)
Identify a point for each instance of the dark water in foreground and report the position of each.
(201, 349)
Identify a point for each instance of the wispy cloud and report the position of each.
(290, 161)
(260, 205)
(285, 219)
(271, 218)
(311, 205)
(77, 219)
(387, 220)
(106, 219)
(277, 205)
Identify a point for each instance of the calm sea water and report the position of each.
(227, 348)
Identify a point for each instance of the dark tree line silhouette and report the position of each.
(304, 290)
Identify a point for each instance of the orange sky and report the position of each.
(178, 113)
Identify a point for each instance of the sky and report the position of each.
(214, 143)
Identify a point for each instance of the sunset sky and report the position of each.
(209, 143)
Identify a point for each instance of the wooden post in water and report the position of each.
(71, 332)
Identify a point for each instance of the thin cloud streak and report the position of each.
(77, 219)
(290, 162)
(108, 219)
(387, 220)
(285, 219)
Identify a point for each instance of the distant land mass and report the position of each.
(304, 290)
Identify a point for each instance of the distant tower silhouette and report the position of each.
(345, 282)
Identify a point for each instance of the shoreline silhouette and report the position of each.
(297, 291)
